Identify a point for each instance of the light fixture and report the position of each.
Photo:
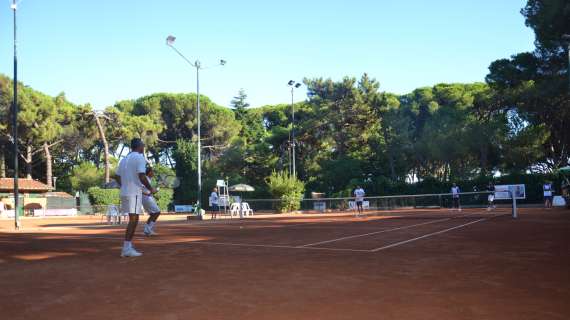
(170, 40)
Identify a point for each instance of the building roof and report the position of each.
(59, 194)
(24, 185)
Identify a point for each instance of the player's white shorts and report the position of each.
(131, 204)
(150, 205)
(491, 198)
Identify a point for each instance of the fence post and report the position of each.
(515, 214)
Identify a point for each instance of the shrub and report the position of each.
(164, 199)
(85, 176)
(104, 197)
(84, 204)
(287, 188)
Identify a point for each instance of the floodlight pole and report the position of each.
(294, 85)
(17, 225)
(293, 131)
(197, 65)
(566, 37)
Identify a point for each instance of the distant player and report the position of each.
(547, 189)
(150, 206)
(131, 176)
(455, 195)
(359, 199)
(214, 202)
(491, 196)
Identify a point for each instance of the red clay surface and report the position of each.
(423, 265)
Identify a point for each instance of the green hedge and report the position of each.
(164, 199)
(99, 196)
(104, 197)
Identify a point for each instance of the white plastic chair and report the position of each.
(247, 211)
(234, 209)
(113, 215)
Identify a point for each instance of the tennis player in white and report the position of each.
(547, 189)
(455, 191)
(132, 178)
(150, 206)
(359, 199)
(215, 202)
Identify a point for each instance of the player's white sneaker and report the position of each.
(148, 231)
(130, 252)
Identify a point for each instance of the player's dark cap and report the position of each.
(136, 143)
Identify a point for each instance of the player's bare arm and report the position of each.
(144, 181)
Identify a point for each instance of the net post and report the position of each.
(515, 214)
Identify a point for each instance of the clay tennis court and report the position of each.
(399, 265)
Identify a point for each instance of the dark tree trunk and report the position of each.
(28, 162)
(484, 160)
(49, 180)
(105, 148)
(2, 162)
(390, 154)
(156, 156)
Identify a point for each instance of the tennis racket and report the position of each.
(167, 181)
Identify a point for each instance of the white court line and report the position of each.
(430, 235)
(387, 230)
(218, 243)
(277, 246)
(372, 233)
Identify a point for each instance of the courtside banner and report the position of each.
(183, 208)
(503, 192)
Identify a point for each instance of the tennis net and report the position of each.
(436, 204)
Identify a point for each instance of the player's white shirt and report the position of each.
(547, 190)
(359, 194)
(455, 191)
(129, 169)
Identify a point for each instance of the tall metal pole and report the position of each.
(293, 131)
(15, 126)
(566, 38)
(169, 42)
(197, 65)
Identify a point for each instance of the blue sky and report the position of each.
(103, 51)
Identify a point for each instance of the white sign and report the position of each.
(320, 206)
(183, 208)
(224, 201)
(559, 201)
(503, 192)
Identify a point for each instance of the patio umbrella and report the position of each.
(241, 188)
(565, 169)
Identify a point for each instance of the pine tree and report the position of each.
(240, 105)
